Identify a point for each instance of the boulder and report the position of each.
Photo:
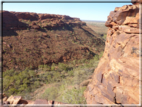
(14, 99)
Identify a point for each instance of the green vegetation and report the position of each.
(66, 75)
(18, 82)
(62, 94)
(104, 36)
(68, 89)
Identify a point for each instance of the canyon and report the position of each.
(47, 39)
(115, 81)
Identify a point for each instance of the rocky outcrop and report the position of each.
(18, 101)
(116, 79)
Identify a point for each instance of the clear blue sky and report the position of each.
(84, 11)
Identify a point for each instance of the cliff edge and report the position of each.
(116, 79)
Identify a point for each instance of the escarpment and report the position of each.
(116, 79)
(31, 39)
(24, 20)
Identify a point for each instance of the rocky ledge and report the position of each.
(19, 101)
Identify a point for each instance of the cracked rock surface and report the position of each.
(116, 79)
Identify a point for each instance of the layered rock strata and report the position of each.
(116, 79)
(14, 20)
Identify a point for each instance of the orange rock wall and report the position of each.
(116, 79)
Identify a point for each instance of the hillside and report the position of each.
(31, 39)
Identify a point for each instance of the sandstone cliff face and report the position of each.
(15, 20)
(116, 79)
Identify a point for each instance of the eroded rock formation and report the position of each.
(116, 79)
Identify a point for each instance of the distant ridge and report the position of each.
(93, 21)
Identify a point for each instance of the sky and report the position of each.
(84, 11)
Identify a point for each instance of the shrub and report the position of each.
(6, 82)
(63, 66)
(104, 36)
(8, 72)
(96, 57)
(53, 67)
(36, 83)
(49, 78)
(25, 81)
(32, 73)
(71, 73)
(11, 91)
(41, 67)
(46, 67)
(74, 96)
(50, 93)
(101, 54)
(22, 88)
(74, 62)
(18, 82)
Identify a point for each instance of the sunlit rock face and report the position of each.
(116, 79)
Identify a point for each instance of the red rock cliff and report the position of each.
(116, 79)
